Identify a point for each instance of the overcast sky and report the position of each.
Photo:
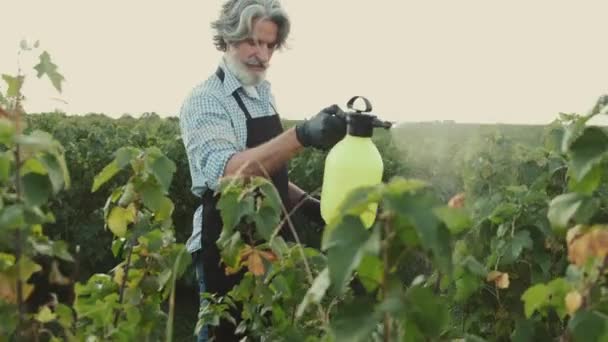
(517, 61)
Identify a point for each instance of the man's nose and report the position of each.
(263, 52)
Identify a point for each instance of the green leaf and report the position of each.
(524, 331)
(57, 172)
(230, 245)
(466, 286)
(315, 293)
(475, 266)
(563, 208)
(46, 67)
(370, 272)
(503, 212)
(105, 175)
(118, 220)
(36, 188)
(60, 250)
(39, 141)
(589, 183)
(161, 167)
(456, 219)
(117, 246)
(64, 315)
(345, 250)
(587, 151)
(14, 85)
(272, 198)
(534, 298)
(233, 209)
(588, 326)
(163, 278)
(517, 244)
(152, 195)
(426, 310)
(24, 46)
(558, 289)
(45, 315)
(125, 155)
(128, 195)
(417, 209)
(3, 101)
(165, 211)
(355, 321)
(266, 220)
(7, 131)
(269, 212)
(12, 217)
(5, 167)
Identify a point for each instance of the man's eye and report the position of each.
(250, 41)
(272, 46)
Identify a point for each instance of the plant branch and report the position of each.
(385, 261)
(18, 248)
(124, 282)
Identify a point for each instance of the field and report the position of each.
(485, 233)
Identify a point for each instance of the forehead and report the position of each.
(265, 30)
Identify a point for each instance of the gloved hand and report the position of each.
(324, 130)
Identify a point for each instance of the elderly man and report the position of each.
(230, 125)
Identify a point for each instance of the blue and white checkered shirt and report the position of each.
(213, 128)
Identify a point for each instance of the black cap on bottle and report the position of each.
(360, 124)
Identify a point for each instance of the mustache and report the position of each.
(254, 61)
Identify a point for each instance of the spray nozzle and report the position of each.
(363, 119)
(361, 122)
(382, 124)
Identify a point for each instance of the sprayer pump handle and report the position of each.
(368, 105)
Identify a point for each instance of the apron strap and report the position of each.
(220, 74)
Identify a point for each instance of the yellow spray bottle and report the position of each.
(352, 163)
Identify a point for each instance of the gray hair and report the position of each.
(236, 21)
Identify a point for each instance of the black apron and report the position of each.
(259, 130)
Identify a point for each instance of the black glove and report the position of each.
(324, 130)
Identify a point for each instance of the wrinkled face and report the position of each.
(250, 58)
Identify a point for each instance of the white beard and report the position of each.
(240, 71)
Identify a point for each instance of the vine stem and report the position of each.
(126, 274)
(385, 260)
(16, 113)
(124, 283)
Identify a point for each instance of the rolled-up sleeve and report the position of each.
(209, 139)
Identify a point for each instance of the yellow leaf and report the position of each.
(503, 281)
(245, 252)
(574, 300)
(457, 201)
(37, 230)
(500, 279)
(45, 315)
(118, 220)
(8, 289)
(230, 270)
(256, 266)
(119, 274)
(268, 255)
(580, 249)
(573, 233)
(599, 242)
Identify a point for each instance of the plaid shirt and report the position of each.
(213, 128)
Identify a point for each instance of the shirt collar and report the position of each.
(232, 84)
